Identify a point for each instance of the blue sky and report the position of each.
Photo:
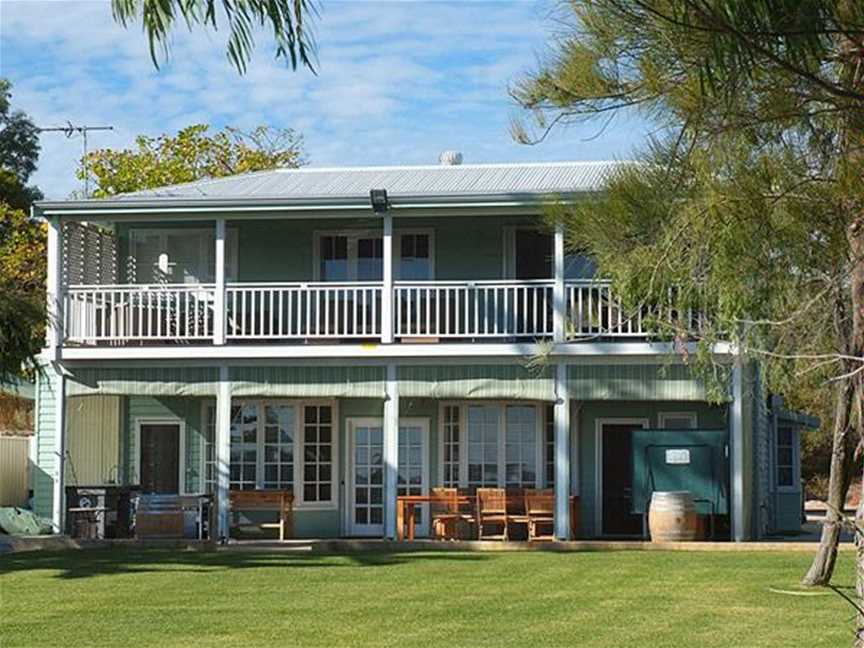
(398, 83)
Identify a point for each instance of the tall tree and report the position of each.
(190, 155)
(286, 19)
(22, 244)
(753, 201)
(19, 152)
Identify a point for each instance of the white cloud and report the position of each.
(397, 82)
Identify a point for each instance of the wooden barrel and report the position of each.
(672, 516)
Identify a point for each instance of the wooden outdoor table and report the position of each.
(406, 510)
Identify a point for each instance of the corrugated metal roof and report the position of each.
(355, 182)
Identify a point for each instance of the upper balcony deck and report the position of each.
(460, 267)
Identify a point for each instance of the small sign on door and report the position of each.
(678, 456)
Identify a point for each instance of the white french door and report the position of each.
(366, 473)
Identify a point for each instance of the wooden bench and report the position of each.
(281, 501)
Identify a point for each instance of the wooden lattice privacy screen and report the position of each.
(89, 255)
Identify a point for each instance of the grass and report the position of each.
(131, 597)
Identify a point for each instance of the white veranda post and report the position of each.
(562, 453)
(223, 451)
(391, 451)
(736, 429)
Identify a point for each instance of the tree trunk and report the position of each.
(822, 568)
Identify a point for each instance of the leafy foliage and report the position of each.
(749, 205)
(287, 19)
(190, 155)
(22, 291)
(22, 244)
(19, 151)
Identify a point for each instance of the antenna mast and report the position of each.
(69, 130)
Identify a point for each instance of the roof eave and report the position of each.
(397, 202)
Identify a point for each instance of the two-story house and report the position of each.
(354, 334)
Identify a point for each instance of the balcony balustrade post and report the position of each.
(219, 298)
(559, 302)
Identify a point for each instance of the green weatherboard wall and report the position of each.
(283, 250)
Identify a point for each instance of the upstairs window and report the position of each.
(359, 256)
(415, 257)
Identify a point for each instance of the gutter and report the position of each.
(351, 203)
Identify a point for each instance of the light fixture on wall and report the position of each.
(378, 199)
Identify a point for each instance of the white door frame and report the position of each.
(598, 462)
(181, 450)
(351, 424)
(373, 421)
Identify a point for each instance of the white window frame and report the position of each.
(794, 487)
(598, 462)
(232, 261)
(140, 421)
(690, 415)
(354, 234)
(299, 450)
(539, 438)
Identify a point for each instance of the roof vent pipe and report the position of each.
(450, 158)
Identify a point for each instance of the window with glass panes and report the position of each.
(244, 447)
(497, 445)
(415, 258)
(483, 423)
(785, 456)
(279, 432)
(451, 446)
(409, 474)
(317, 453)
(265, 449)
(549, 444)
(520, 446)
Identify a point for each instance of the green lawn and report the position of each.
(124, 598)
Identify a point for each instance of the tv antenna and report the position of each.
(69, 130)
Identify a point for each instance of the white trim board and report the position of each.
(140, 421)
(632, 351)
(598, 460)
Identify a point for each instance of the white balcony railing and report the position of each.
(592, 310)
(303, 310)
(296, 311)
(118, 313)
(474, 309)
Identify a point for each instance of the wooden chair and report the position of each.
(445, 514)
(540, 510)
(491, 511)
(516, 511)
(281, 501)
